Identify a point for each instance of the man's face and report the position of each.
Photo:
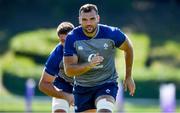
(89, 21)
(62, 38)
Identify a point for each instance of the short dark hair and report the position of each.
(64, 28)
(88, 8)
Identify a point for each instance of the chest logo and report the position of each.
(80, 48)
(108, 90)
(90, 57)
(106, 46)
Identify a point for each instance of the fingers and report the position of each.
(130, 85)
(131, 88)
(96, 60)
(132, 92)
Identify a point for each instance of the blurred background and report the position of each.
(28, 34)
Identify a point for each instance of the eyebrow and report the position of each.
(90, 18)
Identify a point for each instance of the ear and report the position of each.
(80, 21)
(98, 18)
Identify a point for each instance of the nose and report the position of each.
(62, 37)
(88, 22)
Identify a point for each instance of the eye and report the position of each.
(93, 18)
(84, 19)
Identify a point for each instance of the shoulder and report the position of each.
(75, 31)
(58, 49)
(75, 34)
(113, 33)
(108, 29)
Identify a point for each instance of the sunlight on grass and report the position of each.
(43, 104)
(18, 104)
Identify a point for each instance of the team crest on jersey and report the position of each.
(106, 46)
(108, 90)
(80, 48)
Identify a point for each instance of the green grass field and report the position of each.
(43, 104)
(12, 103)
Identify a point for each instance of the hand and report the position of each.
(129, 83)
(70, 98)
(96, 60)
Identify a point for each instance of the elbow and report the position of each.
(40, 86)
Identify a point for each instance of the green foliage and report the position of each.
(16, 71)
(38, 42)
(171, 48)
(159, 71)
(0, 68)
(168, 54)
(164, 72)
(21, 66)
(20, 63)
(141, 45)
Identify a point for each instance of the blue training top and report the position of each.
(104, 42)
(54, 64)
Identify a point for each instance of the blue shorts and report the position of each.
(85, 96)
(60, 83)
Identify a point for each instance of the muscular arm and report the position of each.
(128, 51)
(128, 81)
(73, 68)
(46, 86)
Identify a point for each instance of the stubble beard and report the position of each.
(90, 31)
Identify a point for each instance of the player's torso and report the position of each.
(62, 73)
(58, 53)
(88, 48)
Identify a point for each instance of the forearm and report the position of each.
(50, 90)
(77, 69)
(129, 62)
(74, 68)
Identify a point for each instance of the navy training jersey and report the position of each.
(104, 42)
(54, 64)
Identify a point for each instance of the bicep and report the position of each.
(47, 77)
(70, 64)
(126, 45)
(69, 60)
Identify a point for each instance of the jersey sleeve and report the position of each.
(119, 37)
(52, 63)
(69, 48)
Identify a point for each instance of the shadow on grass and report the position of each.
(17, 85)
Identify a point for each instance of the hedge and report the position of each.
(34, 43)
